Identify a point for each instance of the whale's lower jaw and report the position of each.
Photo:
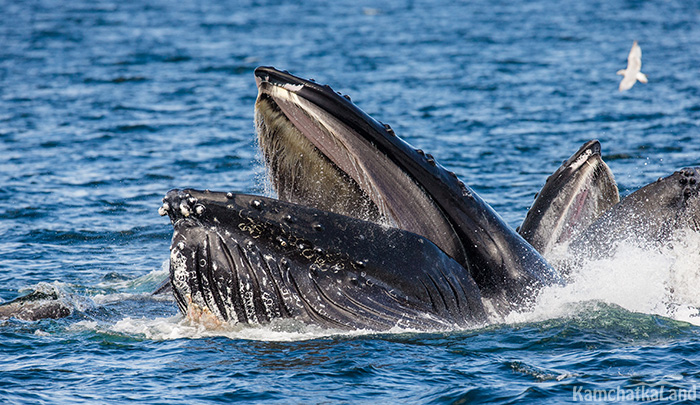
(250, 260)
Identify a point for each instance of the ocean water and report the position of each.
(105, 106)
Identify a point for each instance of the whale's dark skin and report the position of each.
(577, 194)
(250, 259)
(646, 218)
(35, 306)
(399, 184)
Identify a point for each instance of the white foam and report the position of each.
(662, 281)
(179, 327)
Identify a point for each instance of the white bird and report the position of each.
(634, 67)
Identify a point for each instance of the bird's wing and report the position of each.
(628, 81)
(634, 59)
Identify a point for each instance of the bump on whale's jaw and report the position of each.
(579, 192)
(689, 179)
(248, 259)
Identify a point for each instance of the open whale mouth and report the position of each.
(324, 152)
(319, 148)
(446, 258)
(579, 192)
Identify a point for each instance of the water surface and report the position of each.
(105, 106)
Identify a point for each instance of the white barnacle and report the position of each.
(185, 210)
(163, 210)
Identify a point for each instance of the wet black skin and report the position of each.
(250, 259)
(506, 268)
(646, 218)
(35, 306)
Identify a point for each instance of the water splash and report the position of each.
(651, 280)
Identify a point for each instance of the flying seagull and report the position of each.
(634, 67)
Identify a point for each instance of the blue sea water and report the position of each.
(105, 106)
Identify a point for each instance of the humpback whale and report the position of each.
(579, 211)
(383, 201)
(578, 192)
(404, 242)
(648, 217)
(338, 150)
(42, 303)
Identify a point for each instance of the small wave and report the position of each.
(124, 284)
